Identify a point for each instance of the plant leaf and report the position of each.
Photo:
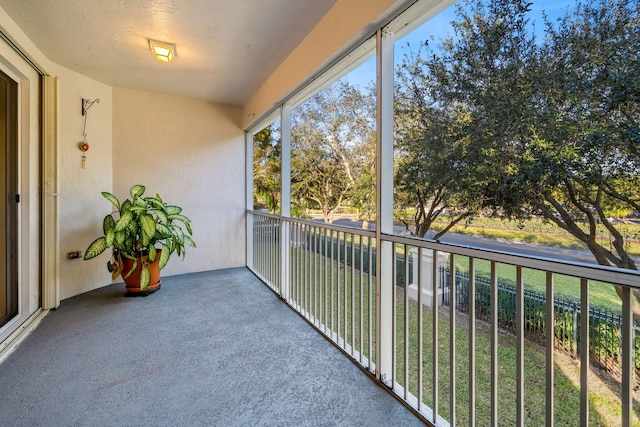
(95, 248)
(136, 191)
(178, 233)
(180, 217)
(164, 256)
(110, 234)
(148, 225)
(119, 238)
(126, 205)
(113, 199)
(163, 230)
(152, 253)
(133, 268)
(117, 266)
(108, 224)
(188, 226)
(162, 217)
(173, 210)
(189, 241)
(125, 219)
(145, 278)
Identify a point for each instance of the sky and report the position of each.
(440, 25)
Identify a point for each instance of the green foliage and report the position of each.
(267, 168)
(333, 146)
(142, 222)
(539, 127)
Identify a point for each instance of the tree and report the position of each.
(328, 160)
(266, 169)
(436, 175)
(557, 120)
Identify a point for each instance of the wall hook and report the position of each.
(87, 103)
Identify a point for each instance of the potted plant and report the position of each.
(143, 235)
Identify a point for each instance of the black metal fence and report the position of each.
(605, 339)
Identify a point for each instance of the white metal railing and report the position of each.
(453, 366)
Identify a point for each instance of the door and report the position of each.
(10, 197)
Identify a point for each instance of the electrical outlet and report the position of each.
(74, 255)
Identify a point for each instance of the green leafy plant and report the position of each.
(143, 230)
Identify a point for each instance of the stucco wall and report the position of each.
(80, 211)
(192, 154)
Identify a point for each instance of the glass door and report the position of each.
(10, 198)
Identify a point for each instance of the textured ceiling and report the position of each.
(225, 48)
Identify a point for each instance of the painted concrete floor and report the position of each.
(208, 349)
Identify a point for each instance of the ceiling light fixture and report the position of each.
(163, 51)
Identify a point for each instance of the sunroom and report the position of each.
(353, 176)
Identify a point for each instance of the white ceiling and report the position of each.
(225, 48)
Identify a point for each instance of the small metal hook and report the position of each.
(87, 103)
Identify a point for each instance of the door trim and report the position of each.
(50, 244)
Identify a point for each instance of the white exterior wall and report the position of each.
(80, 213)
(192, 154)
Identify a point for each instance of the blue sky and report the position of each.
(440, 25)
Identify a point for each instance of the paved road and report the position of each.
(574, 255)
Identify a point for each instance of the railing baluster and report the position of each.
(371, 304)
(494, 344)
(353, 295)
(434, 332)
(406, 341)
(420, 331)
(300, 266)
(452, 338)
(326, 282)
(584, 352)
(628, 353)
(472, 342)
(333, 287)
(394, 333)
(520, 347)
(361, 300)
(550, 322)
(344, 293)
(315, 276)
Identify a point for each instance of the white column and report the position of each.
(249, 196)
(50, 241)
(285, 197)
(384, 206)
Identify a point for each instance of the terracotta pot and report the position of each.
(133, 281)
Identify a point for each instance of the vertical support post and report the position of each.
(285, 201)
(248, 136)
(384, 206)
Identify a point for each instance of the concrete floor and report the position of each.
(208, 349)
